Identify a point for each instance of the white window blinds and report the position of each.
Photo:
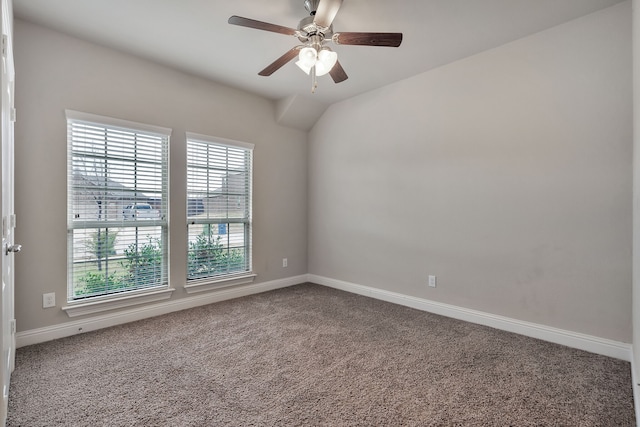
(117, 205)
(218, 206)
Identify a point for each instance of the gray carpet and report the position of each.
(310, 355)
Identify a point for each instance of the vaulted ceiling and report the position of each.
(194, 36)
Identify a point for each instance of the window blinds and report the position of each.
(117, 205)
(218, 206)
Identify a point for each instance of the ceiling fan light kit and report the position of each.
(314, 58)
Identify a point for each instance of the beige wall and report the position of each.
(56, 72)
(507, 174)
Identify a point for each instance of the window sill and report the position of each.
(82, 308)
(202, 285)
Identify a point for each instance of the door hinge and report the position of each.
(12, 324)
(8, 224)
(12, 114)
(4, 45)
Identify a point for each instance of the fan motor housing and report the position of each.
(309, 27)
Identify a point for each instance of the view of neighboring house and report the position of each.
(91, 203)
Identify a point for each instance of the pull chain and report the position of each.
(314, 82)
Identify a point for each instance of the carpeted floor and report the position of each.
(310, 355)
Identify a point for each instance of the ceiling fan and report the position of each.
(315, 31)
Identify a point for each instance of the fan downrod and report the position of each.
(311, 6)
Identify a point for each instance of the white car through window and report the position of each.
(140, 211)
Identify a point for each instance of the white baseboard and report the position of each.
(577, 340)
(580, 341)
(93, 323)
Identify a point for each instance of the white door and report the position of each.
(7, 116)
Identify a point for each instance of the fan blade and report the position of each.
(327, 10)
(259, 25)
(369, 39)
(337, 73)
(278, 63)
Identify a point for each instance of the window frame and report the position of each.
(234, 278)
(77, 304)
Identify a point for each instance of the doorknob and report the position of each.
(12, 248)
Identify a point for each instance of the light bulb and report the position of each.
(303, 67)
(326, 60)
(308, 56)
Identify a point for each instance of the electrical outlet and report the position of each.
(285, 263)
(49, 300)
(432, 281)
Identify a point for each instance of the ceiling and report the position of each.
(194, 36)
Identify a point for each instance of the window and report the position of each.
(218, 208)
(117, 224)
